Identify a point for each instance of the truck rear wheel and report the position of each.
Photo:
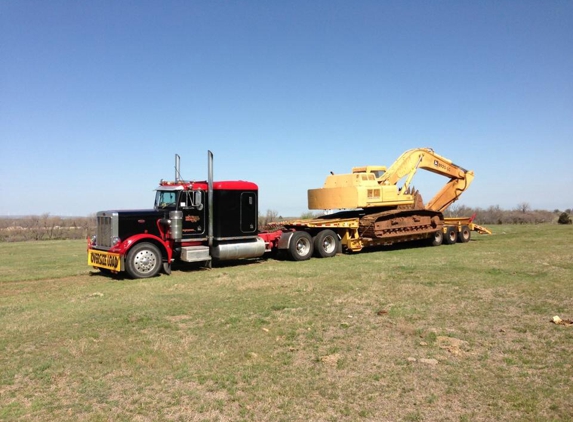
(300, 247)
(464, 235)
(437, 238)
(143, 260)
(451, 235)
(326, 244)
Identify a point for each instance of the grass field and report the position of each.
(453, 333)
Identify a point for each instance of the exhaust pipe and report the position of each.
(177, 167)
(210, 199)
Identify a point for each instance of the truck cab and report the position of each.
(189, 222)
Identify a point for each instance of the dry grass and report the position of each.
(455, 333)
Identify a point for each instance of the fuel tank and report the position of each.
(176, 218)
(239, 250)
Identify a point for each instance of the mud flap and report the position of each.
(167, 268)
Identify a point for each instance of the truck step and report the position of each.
(195, 253)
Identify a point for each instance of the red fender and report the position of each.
(124, 247)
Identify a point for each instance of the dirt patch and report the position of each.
(453, 345)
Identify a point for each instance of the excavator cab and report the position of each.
(378, 171)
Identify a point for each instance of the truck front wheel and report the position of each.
(300, 247)
(143, 260)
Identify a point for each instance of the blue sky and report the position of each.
(96, 97)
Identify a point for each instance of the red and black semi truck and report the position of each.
(190, 222)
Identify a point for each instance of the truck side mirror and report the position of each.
(197, 200)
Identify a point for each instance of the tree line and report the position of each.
(49, 227)
(521, 214)
(45, 227)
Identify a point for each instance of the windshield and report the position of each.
(165, 199)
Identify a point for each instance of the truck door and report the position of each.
(192, 203)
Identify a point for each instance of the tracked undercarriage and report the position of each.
(385, 226)
(395, 224)
(400, 224)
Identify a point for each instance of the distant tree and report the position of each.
(564, 219)
(523, 207)
(270, 217)
(307, 215)
(493, 215)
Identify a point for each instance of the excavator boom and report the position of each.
(410, 161)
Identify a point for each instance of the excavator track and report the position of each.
(400, 224)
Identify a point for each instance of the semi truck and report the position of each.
(209, 220)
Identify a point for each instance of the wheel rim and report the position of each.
(328, 244)
(302, 247)
(145, 261)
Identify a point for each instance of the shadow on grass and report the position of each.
(182, 267)
(203, 266)
(109, 274)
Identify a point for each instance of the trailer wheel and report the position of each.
(143, 260)
(301, 247)
(326, 244)
(464, 235)
(451, 235)
(437, 238)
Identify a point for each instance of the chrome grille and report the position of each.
(107, 224)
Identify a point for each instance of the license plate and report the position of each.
(111, 261)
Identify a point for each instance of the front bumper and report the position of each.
(102, 259)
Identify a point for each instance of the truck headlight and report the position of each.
(93, 240)
(115, 240)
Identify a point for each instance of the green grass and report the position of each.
(349, 338)
(20, 261)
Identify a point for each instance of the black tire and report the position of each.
(326, 244)
(437, 238)
(464, 234)
(143, 260)
(451, 235)
(300, 247)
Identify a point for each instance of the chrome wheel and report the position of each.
(326, 244)
(145, 261)
(301, 247)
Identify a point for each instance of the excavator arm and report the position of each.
(408, 164)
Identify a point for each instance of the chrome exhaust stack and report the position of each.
(177, 168)
(210, 198)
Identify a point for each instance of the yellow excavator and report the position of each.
(377, 186)
(376, 205)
